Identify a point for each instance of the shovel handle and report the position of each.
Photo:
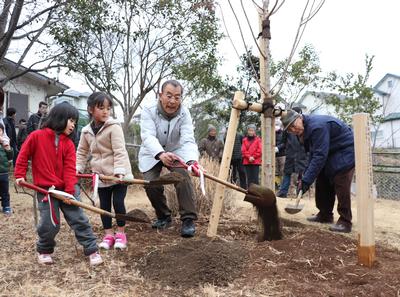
(70, 201)
(225, 183)
(299, 198)
(216, 179)
(132, 181)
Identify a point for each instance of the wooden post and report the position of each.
(364, 190)
(224, 168)
(267, 119)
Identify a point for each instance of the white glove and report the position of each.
(276, 150)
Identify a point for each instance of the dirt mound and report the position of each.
(194, 262)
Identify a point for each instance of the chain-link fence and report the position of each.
(386, 169)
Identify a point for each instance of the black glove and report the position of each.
(302, 186)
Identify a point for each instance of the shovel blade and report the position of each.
(135, 215)
(293, 209)
(260, 196)
(169, 178)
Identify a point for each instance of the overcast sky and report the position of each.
(342, 33)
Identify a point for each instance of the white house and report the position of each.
(25, 92)
(315, 103)
(387, 90)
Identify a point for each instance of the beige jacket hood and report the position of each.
(105, 152)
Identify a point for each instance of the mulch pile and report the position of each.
(193, 262)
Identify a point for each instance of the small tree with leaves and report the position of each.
(354, 95)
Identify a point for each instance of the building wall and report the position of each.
(34, 91)
(391, 102)
(315, 105)
(388, 135)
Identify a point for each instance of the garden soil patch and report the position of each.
(309, 260)
(194, 262)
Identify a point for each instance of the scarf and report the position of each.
(95, 128)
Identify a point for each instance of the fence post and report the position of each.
(224, 168)
(364, 190)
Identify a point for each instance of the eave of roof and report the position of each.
(35, 75)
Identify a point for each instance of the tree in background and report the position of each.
(126, 48)
(24, 27)
(354, 95)
(303, 73)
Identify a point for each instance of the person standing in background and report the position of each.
(236, 162)
(279, 153)
(22, 133)
(251, 154)
(35, 120)
(296, 160)
(5, 136)
(9, 125)
(6, 155)
(211, 146)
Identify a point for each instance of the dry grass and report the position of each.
(203, 202)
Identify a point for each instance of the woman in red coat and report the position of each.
(251, 155)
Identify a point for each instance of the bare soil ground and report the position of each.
(309, 261)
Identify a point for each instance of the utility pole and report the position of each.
(267, 119)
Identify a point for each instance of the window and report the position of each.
(390, 83)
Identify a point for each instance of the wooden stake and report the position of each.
(364, 190)
(224, 168)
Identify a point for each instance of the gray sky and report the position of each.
(342, 33)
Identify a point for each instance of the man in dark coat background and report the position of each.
(9, 125)
(236, 162)
(36, 120)
(330, 144)
(296, 159)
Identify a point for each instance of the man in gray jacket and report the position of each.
(167, 135)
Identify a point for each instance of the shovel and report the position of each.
(296, 207)
(63, 197)
(257, 195)
(169, 178)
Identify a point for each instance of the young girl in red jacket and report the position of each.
(53, 160)
(251, 155)
(103, 140)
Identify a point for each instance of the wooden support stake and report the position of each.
(364, 190)
(224, 168)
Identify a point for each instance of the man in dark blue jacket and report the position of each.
(330, 144)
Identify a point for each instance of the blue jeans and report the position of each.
(284, 189)
(4, 190)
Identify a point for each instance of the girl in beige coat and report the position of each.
(102, 144)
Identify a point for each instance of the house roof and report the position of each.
(379, 92)
(392, 117)
(53, 86)
(387, 75)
